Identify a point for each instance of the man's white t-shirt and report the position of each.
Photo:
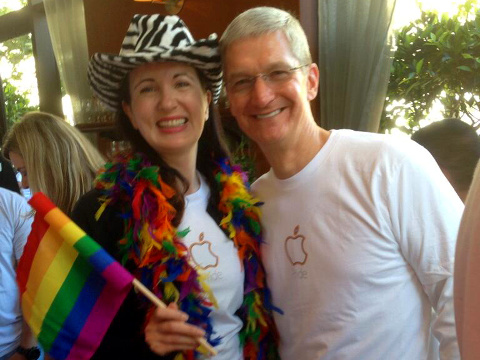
(358, 248)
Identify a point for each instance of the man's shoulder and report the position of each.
(11, 200)
(262, 182)
(374, 146)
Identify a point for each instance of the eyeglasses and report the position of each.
(243, 84)
(20, 171)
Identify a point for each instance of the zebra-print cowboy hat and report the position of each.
(152, 38)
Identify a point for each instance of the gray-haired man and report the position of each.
(359, 228)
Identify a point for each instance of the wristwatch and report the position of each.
(32, 353)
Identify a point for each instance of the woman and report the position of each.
(53, 157)
(174, 211)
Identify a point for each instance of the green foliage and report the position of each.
(15, 50)
(436, 58)
(16, 103)
(242, 155)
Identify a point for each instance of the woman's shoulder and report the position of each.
(105, 228)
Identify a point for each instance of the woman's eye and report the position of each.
(182, 84)
(147, 89)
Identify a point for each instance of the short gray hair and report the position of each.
(263, 20)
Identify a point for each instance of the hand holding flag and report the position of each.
(70, 287)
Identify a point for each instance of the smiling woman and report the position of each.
(178, 186)
(169, 106)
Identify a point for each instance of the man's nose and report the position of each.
(261, 93)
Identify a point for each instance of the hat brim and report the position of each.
(106, 72)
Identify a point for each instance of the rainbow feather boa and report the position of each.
(155, 246)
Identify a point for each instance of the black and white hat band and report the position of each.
(152, 38)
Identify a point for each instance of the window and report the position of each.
(23, 33)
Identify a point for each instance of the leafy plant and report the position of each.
(15, 51)
(437, 58)
(16, 102)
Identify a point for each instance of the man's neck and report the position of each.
(287, 160)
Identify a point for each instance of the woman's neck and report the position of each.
(186, 165)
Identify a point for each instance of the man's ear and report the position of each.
(128, 111)
(313, 78)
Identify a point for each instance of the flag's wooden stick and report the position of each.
(151, 296)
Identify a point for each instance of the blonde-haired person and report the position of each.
(53, 157)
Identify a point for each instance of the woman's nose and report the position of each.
(24, 182)
(167, 100)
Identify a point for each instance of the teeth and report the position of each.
(171, 123)
(273, 113)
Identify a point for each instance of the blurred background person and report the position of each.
(15, 224)
(467, 269)
(8, 179)
(53, 157)
(456, 147)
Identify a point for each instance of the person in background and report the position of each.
(467, 268)
(53, 157)
(360, 228)
(173, 210)
(16, 340)
(455, 146)
(8, 180)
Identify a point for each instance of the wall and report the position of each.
(107, 20)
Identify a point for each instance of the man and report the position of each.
(359, 228)
(455, 146)
(16, 340)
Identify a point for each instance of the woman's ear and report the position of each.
(127, 109)
(209, 100)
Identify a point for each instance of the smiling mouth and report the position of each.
(171, 123)
(270, 114)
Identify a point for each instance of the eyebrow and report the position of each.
(176, 75)
(142, 81)
(268, 69)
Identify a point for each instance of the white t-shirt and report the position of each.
(215, 255)
(15, 225)
(359, 246)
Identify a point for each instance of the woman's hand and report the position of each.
(168, 331)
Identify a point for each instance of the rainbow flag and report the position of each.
(70, 287)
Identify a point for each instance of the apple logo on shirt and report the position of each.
(202, 254)
(294, 248)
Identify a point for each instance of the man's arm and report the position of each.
(27, 341)
(426, 212)
(23, 223)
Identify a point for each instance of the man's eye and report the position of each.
(279, 75)
(242, 82)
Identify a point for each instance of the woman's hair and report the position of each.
(60, 161)
(211, 148)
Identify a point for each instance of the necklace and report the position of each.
(155, 246)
